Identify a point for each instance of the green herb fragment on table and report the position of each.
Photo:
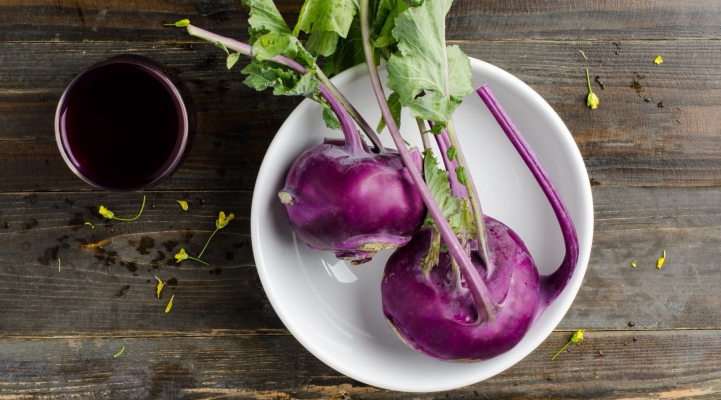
(159, 287)
(183, 204)
(90, 225)
(575, 338)
(180, 24)
(122, 350)
(182, 255)
(170, 304)
(111, 215)
(658, 60)
(661, 260)
(583, 54)
(592, 99)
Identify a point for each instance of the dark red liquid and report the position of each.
(123, 127)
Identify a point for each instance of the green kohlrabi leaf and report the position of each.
(322, 42)
(261, 76)
(264, 18)
(349, 52)
(222, 47)
(326, 15)
(306, 86)
(272, 44)
(463, 222)
(432, 258)
(385, 36)
(331, 121)
(325, 21)
(395, 105)
(231, 60)
(430, 78)
(440, 187)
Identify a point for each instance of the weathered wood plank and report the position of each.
(97, 265)
(656, 364)
(77, 20)
(59, 275)
(627, 141)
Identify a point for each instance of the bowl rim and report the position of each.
(561, 305)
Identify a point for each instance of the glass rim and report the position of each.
(159, 72)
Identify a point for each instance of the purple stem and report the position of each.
(553, 284)
(326, 87)
(473, 278)
(457, 189)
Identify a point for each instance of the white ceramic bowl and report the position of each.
(334, 309)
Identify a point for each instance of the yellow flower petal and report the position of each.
(592, 101)
(661, 260)
(159, 288)
(170, 304)
(658, 60)
(223, 221)
(180, 24)
(577, 336)
(181, 255)
(183, 204)
(633, 265)
(106, 213)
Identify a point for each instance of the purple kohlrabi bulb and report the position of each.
(437, 315)
(352, 203)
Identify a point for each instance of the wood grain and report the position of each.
(140, 20)
(627, 141)
(656, 364)
(98, 265)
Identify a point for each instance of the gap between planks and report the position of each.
(230, 333)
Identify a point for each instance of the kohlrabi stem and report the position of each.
(553, 284)
(424, 133)
(475, 282)
(457, 188)
(473, 198)
(142, 207)
(367, 129)
(327, 88)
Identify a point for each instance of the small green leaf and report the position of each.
(394, 103)
(437, 129)
(461, 175)
(331, 121)
(232, 59)
(451, 153)
(222, 47)
(432, 258)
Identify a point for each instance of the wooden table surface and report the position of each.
(652, 149)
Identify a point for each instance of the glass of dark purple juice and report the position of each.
(125, 123)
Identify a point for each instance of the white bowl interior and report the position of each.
(334, 309)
